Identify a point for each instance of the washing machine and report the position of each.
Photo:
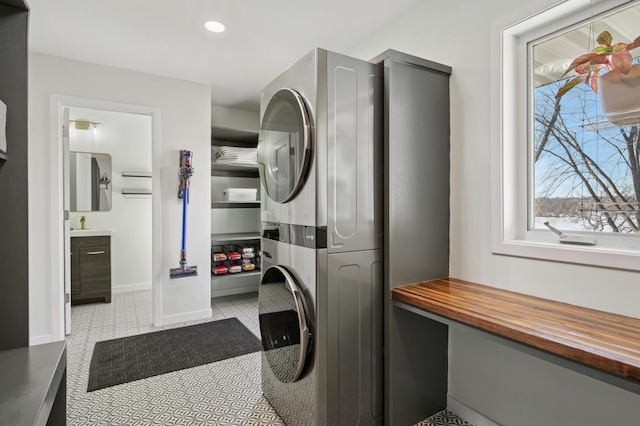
(320, 298)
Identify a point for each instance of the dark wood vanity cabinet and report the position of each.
(90, 269)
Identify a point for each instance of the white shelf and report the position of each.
(235, 205)
(254, 273)
(234, 170)
(233, 167)
(243, 282)
(137, 174)
(228, 136)
(239, 236)
(137, 191)
(235, 290)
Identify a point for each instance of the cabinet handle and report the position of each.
(90, 253)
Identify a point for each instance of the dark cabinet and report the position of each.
(14, 228)
(90, 269)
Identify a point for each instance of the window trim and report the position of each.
(510, 159)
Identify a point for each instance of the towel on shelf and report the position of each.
(234, 155)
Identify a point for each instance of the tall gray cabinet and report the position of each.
(416, 234)
(14, 232)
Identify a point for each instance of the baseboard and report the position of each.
(187, 316)
(467, 413)
(40, 340)
(130, 288)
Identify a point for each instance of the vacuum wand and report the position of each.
(185, 173)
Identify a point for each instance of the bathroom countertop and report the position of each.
(89, 233)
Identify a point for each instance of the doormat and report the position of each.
(123, 360)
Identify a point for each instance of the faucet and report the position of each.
(82, 222)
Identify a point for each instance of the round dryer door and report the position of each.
(284, 147)
(283, 324)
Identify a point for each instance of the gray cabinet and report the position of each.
(416, 234)
(14, 222)
(90, 269)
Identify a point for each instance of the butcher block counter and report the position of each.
(600, 344)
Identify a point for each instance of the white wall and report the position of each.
(126, 138)
(457, 33)
(184, 110)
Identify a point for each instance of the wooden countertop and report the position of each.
(606, 341)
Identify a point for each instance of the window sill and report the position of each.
(599, 255)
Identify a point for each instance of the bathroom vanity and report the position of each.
(90, 266)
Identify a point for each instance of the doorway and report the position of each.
(121, 138)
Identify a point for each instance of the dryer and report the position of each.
(320, 299)
(320, 149)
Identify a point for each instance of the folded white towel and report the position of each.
(234, 155)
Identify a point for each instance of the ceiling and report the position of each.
(167, 37)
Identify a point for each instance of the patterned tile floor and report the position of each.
(444, 418)
(221, 393)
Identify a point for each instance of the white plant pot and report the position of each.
(620, 96)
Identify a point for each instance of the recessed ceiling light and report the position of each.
(214, 26)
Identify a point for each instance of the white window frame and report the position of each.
(510, 132)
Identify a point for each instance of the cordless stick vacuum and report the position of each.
(185, 173)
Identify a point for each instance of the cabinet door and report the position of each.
(95, 271)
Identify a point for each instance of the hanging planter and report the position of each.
(619, 87)
(620, 96)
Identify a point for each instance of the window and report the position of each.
(560, 161)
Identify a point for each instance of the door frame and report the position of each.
(57, 103)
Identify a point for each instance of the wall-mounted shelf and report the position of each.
(136, 191)
(137, 174)
(254, 273)
(226, 285)
(234, 170)
(233, 137)
(238, 236)
(235, 205)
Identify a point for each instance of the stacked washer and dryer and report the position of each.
(320, 299)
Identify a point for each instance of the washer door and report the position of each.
(283, 324)
(284, 146)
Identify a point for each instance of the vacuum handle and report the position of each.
(185, 194)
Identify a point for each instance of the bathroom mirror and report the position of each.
(89, 181)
